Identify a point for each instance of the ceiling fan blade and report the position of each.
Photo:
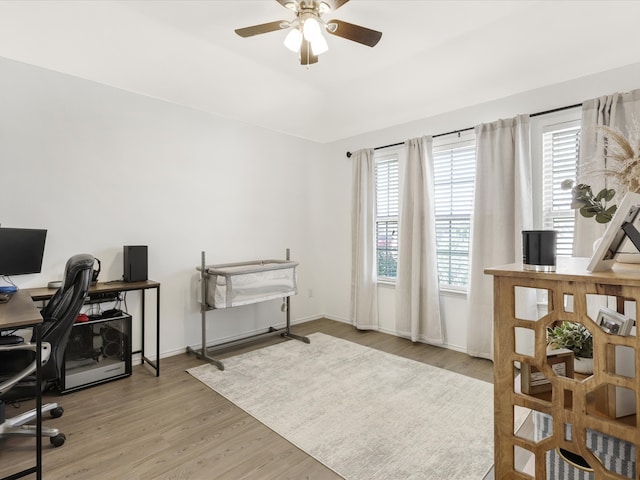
(262, 28)
(338, 3)
(306, 55)
(288, 4)
(356, 33)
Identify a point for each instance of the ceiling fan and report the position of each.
(305, 34)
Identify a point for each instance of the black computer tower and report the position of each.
(98, 351)
(135, 263)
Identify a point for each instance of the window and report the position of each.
(561, 146)
(387, 216)
(454, 175)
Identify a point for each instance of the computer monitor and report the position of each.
(21, 250)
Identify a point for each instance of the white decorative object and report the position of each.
(583, 365)
(606, 252)
(628, 257)
(613, 323)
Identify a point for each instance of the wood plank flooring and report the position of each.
(173, 427)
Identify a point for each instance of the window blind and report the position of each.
(387, 200)
(454, 174)
(561, 147)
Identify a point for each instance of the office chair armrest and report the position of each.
(30, 369)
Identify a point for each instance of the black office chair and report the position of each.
(17, 358)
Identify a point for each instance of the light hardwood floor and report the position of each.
(174, 427)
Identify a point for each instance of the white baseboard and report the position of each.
(444, 345)
(136, 358)
(231, 338)
(336, 319)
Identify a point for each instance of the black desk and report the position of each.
(117, 287)
(21, 312)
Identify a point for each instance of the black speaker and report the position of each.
(135, 263)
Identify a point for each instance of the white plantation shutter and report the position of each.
(561, 146)
(454, 174)
(387, 216)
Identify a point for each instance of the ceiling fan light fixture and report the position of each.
(319, 45)
(313, 34)
(293, 40)
(311, 29)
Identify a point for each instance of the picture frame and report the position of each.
(533, 381)
(620, 228)
(614, 323)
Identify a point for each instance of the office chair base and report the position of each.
(16, 426)
(31, 415)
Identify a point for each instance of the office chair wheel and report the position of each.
(57, 412)
(58, 440)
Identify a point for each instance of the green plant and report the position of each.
(591, 205)
(573, 336)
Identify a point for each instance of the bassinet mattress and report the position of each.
(234, 284)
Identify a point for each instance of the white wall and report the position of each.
(454, 306)
(101, 168)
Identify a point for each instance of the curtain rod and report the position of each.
(546, 112)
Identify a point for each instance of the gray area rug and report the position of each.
(366, 414)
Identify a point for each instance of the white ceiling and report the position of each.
(434, 56)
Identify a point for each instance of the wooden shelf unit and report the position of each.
(584, 402)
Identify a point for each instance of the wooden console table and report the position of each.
(21, 312)
(43, 294)
(581, 405)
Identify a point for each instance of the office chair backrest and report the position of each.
(62, 311)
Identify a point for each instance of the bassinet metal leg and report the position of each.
(202, 354)
(287, 333)
(215, 362)
(296, 337)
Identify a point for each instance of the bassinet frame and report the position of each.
(206, 272)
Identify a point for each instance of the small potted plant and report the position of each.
(575, 337)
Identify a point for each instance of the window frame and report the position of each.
(550, 215)
(391, 153)
(449, 142)
(541, 124)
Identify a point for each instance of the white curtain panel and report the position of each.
(620, 111)
(502, 209)
(364, 292)
(417, 287)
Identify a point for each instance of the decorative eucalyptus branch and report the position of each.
(590, 205)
